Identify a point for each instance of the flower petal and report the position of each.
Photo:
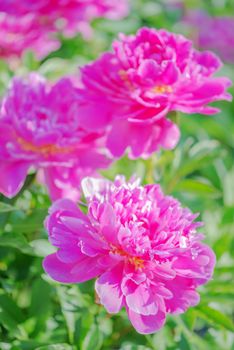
(79, 272)
(12, 177)
(140, 298)
(108, 288)
(147, 324)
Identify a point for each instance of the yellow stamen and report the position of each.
(137, 262)
(162, 89)
(134, 260)
(123, 75)
(45, 150)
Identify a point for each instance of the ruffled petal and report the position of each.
(147, 324)
(140, 298)
(108, 288)
(12, 177)
(81, 271)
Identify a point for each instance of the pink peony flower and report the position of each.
(141, 244)
(212, 33)
(18, 34)
(39, 129)
(74, 15)
(145, 77)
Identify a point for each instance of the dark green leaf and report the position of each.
(215, 317)
(16, 240)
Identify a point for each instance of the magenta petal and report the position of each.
(62, 182)
(12, 177)
(164, 272)
(140, 298)
(149, 70)
(170, 135)
(117, 141)
(135, 136)
(64, 204)
(170, 74)
(78, 272)
(199, 266)
(92, 187)
(88, 117)
(108, 223)
(183, 295)
(109, 291)
(58, 270)
(75, 224)
(70, 255)
(87, 269)
(147, 324)
(7, 136)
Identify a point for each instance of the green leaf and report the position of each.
(57, 67)
(4, 207)
(189, 166)
(228, 216)
(93, 339)
(197, 187)
(184, 343)
(215, 317)
(10, 324)
(29, 223)
(224, 269)
(193, 339)
(42, 247)
(222, 245)
(39, 310)
(8, 305)
(11, 316)
(128, 346)
(228, 189)
(129, 26)
(196, 163)
(67, 310)
(189, 318)
(25, 345)
(30, 61)
(16, 240)
(5, 346)
(55, 347)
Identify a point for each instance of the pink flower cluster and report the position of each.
(147, 76)
(39, 128)
(33, 24)
(24, 33)
(75, 13)
(141, 244)
(123, 102)
(212, 33)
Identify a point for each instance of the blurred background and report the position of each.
(36, 313)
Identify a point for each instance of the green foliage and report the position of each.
(39, 314)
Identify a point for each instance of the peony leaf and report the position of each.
(215, 317)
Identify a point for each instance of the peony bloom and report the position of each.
(145, 77)
(212, 33)
(24, 33)
(74, 15)
(39, 129)
(142, 246)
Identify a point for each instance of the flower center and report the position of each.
(162, 89)
(45, 150)
(136, 261)
(123, 75)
